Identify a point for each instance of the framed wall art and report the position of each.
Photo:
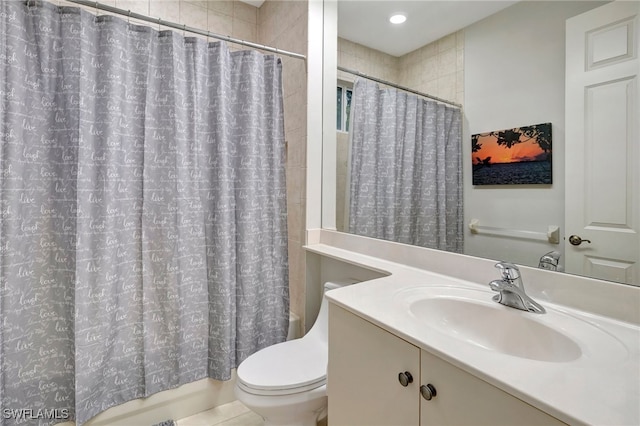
(519, 156)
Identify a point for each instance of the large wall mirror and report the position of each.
(504, 62)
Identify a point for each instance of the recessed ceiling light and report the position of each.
(397, 19)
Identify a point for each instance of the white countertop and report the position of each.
(598, 388)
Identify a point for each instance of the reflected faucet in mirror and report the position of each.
(550, 261)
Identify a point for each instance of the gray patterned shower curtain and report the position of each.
(143, 238)
(405, 168)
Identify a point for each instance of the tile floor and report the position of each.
(232, 414)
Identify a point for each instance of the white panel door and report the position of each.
(602, 200)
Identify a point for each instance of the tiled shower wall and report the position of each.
(232, 18)
(281, 24)
(436, 69)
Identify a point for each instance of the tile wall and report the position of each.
(368, 61)
(436, 69)
(283, 24)
(232, 18)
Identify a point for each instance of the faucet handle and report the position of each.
(508, 271)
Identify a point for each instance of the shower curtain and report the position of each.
(143, 236)
(405, 168)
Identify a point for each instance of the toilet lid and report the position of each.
(289, 367)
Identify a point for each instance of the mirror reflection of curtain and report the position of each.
(143, 220)
(405, 168)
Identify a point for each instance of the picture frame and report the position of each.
(517, 156)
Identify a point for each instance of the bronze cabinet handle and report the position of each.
(428, 391)
(405, 378)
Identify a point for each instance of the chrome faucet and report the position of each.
(550, 261)
(511, 289)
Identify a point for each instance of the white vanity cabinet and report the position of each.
(365, 370)
(362, 374)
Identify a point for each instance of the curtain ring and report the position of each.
(184, 27)
(129, 17)
(159, 24)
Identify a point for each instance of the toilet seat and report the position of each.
(285, 368)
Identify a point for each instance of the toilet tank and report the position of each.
(320, 328)
(294, 326)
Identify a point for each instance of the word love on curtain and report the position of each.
(405, 168)
(142, 197)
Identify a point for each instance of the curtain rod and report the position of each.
(397, 86)
(158, 21)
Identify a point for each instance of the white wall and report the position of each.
(514, 66)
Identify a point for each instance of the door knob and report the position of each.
(576, 240)
(405, 378)
(428, 391)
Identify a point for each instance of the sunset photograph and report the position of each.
(516, 156)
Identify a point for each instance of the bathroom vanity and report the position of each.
(427, 345)
(376, 377)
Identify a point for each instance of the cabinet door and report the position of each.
(362, 375)
(463, 399)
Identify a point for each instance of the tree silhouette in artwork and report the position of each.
(475, 145)
(508, 138)
(482, 163)
(540, 133)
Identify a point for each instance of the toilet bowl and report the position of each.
(286, 383)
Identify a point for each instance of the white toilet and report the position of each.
(285, 383)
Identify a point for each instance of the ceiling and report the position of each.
(366, 22)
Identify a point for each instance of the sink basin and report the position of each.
(470, 316)
(493, 328)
